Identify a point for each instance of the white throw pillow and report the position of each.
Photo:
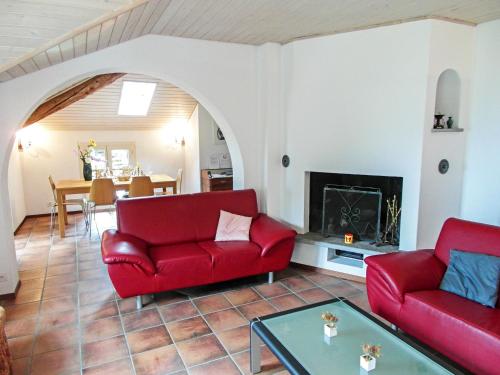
(233, 227)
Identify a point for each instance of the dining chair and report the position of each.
(178, 181)
(68, 202)
(102, 193)
(141, 186)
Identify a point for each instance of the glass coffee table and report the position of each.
(296, 338)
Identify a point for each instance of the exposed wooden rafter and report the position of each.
(72, 95)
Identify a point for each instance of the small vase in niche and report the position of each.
(449, 123)
(87, 171)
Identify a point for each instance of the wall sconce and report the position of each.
(26, 136)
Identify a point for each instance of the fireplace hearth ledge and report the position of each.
(365, 247)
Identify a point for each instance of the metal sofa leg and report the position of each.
(270, 277)
(138, 302)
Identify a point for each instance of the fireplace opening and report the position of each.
(357, 204)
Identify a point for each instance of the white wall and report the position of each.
(355, 103)
(451, 47)
(16, 187)
(53, 153)
(191, 179)
(221, 76)
(482, 180)
(208, 147)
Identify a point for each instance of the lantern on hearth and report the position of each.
(348, 238)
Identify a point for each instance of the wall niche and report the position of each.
(447, 108)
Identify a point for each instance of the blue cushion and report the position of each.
(473, 276)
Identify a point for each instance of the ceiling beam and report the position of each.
(72, 95)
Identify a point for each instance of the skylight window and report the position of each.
(136, 98)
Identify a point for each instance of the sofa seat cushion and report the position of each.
(185, 261)
(232, 259)
(459, 328)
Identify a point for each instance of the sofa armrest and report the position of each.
(406, 272)
(267, 233)
(118, 248)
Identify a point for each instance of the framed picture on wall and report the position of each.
(218, 136)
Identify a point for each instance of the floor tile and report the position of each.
(225, 319)
(255, 309)
(159, 361)
(177, 311)
(201, 350)
(98, 311)
(188, 328)
(57, 319)
(272, 290)
(57, 362)
(58, 304)
(57, 338)
(212, 303)
(147, 339)
(343, 289)
(23, 311)
(286, 302)
(141, 319)
(270, 364)
(235, 340)
(314, 295)
(30, 284)
(32, 274)
(101, 329)
(21, 366)
(119, 367)
(242, 296)
(21, 346)
(92, 297)
(104, 351)
(222, 366)
(297, 283)
(21, 327)
(127, 305)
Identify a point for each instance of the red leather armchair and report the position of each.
(404, 289)
(166, 243)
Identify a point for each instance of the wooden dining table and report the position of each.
(68, 187)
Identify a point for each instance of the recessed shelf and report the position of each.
(452, 130)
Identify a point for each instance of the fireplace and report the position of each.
(348, 203)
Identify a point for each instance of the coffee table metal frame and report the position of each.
(259, 334)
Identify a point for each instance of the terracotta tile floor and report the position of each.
(67, 318)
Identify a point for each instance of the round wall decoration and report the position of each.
(443, 166)
(285, 161)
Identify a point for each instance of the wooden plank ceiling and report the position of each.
(25, 25)
(99, 111)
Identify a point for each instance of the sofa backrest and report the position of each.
(181, 218)
(465, 235)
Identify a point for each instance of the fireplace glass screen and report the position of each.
(351, 209)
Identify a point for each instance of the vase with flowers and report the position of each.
(330, 326)
(368, 360)
(85, 155)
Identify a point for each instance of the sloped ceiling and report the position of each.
(99, 111)
(26, 25)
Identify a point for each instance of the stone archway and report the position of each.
(199, 68)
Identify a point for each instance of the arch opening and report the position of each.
(447, 104)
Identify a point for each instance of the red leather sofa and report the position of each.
(166, 243)
(404, 289)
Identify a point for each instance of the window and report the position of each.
(136, 98)
(115, 156)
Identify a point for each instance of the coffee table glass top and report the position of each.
(301, 333)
